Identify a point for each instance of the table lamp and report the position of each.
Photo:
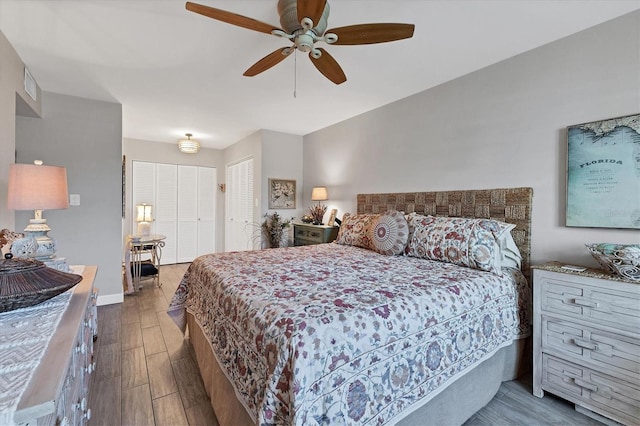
(37, 187)
(318, 193)
(143, 218)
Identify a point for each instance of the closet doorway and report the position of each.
(183, 200)
(240, 229)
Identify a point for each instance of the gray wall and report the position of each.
(282, 159)
(85, 136)
(13, 99)
(157, 152)
(502, 126)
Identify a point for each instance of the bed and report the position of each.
(359, 333)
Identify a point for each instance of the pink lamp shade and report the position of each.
(37, 187)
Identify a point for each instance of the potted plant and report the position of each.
(273, 229)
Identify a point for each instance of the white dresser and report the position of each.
(587, 340)
(58, 391)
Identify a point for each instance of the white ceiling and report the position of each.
(174, 71)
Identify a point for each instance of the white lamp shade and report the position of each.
(319, 193)
(189, 146)
(144, 213)
(37, 187)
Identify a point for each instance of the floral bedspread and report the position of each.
(343, 335)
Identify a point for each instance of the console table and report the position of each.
(58, 391)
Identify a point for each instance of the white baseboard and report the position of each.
(110, 299)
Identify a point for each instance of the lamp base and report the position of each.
(59, 263)
(144, 229)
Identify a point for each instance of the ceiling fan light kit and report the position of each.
(304, 22)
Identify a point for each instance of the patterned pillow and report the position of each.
(412, 218)
(356, 230)
(390, 233)
(474, 243)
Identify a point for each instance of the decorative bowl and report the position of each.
(28, 282)
(619, 259)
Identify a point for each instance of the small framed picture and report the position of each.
(282, 194)
(332, 217)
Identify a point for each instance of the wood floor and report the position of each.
(146, 374)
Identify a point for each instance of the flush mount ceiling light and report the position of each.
(189, 146)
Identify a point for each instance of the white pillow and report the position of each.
(509, 253)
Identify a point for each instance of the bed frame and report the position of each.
(472, 391)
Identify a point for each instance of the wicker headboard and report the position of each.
(511, 205)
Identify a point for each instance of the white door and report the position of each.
(239, 228)
(166, 210)
(187, 213)
(207, 184)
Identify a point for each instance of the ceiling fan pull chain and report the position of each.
(295, 72)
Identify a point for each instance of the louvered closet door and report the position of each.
(187, 213)
(207, 184)
(239, 227)
(165, 209)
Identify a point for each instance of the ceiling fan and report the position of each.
(304, 22)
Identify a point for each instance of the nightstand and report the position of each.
(307, 234)
(586, 340)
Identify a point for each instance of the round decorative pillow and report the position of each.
(390, 233)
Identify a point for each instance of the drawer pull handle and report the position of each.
(586, 303)
(583, 384)
(586, 344)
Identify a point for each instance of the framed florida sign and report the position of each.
(603, 173)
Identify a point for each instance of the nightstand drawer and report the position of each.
(606, 306)
(309, 234)
(615, 398)
(614, 354)
(306, 234)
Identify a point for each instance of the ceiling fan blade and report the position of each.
(311, 9)
(329, 67)
(268, 61)
(372, 33)
(230, 18)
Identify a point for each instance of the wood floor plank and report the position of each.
(161, 378)
(108, 362)
(110, 331)
(189, 382)
(202, 415)
(137, 409)
(104, 402)
(134, 368)
(177, 345)
(130, 312)
(168, 411)
(153, 340)
(131, 336)
(148, 317)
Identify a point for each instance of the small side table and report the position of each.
(307, 234)
(140, 245)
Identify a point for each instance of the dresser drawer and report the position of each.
(609, 396)
(615, 354)
(601, 305)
